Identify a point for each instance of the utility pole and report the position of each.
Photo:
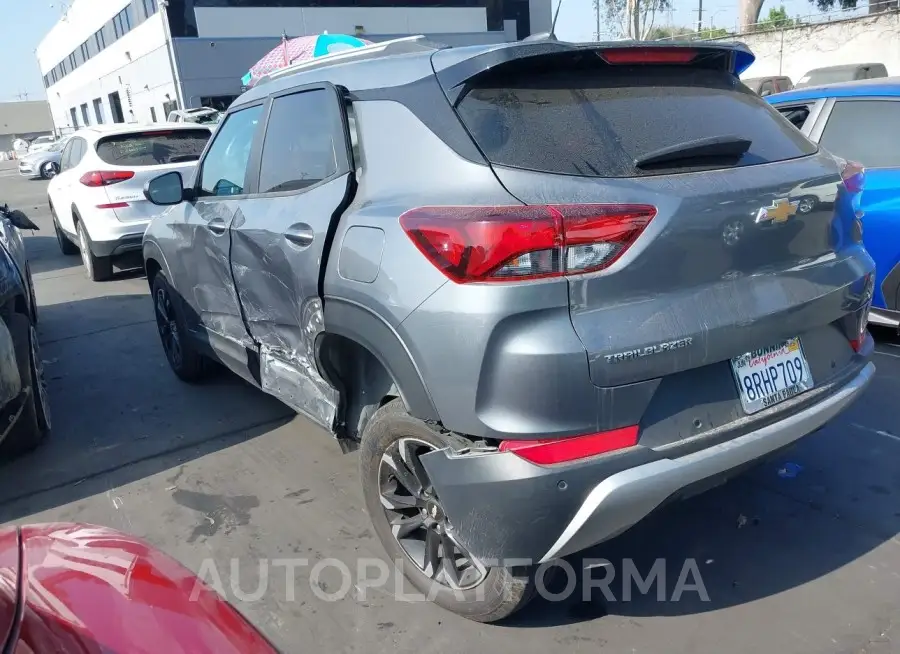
(699, 16)
(597, 12)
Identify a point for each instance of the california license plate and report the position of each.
(771, 375)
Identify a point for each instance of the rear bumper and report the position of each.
(109, 237)
(505, 508)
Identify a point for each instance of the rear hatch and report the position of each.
(718, 260)
(134, 158)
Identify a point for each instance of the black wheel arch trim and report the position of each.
(367, 328)
(151, 250)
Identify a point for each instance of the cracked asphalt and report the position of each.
(239, 489)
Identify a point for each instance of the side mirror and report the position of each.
(21, 221)
(165, 190)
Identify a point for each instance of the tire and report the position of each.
(47, 171)
(806, 204)
(34, 305)
(186, 362)
(97, 269)
(498, 592)
(34, 424)
(66, 246)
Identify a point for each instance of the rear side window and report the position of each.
(796, 114)
(596, 123)
(153, 148)
(300, 145)
(864, 131)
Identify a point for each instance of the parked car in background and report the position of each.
(200, 115)
(768, 85)
(582, 288)
(76, 588)
(836, 74)
(43, 163)
(24, 408)
(97, 200)
(861, 121)
(41, 143)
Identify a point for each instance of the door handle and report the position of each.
(217, 226)
(300, 234)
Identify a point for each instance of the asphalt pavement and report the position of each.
(799, 555)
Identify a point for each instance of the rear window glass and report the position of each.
(153, 148)
(597, 122)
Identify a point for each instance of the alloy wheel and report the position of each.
(48, 171)
(168, 328)
(39, 382)
(417, 519)
(805, 205)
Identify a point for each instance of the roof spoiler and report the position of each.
(454, 74)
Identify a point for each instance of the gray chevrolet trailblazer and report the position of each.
(541, 287)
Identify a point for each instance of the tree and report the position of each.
(777, 19)
(635, 18)
(749, 9)
(676, 33)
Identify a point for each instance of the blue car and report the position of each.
(859, 121)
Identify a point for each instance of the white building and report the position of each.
(136, 60)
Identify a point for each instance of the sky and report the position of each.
(32, 19)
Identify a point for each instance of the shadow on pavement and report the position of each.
(115, 402)
(44, 255)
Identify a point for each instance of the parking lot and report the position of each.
(799, 555)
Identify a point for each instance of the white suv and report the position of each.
(97, 199)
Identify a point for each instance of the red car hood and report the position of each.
(81, 589)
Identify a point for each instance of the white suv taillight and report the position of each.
(97, 178)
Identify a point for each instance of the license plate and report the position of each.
(771, 375)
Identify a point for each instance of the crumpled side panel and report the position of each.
(290, 373)
(10, 380)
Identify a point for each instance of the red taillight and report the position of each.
(113, 205)
(854, 175)
(508, 243)
(562, 450)
(648, 55)
(105, 177)
(857, 343)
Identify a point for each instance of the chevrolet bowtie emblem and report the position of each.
(779, 212)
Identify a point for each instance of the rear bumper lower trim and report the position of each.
(623, 499)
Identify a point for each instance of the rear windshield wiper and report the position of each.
(713, 146)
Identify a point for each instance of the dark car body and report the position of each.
(543, 286)
(24, 410)
(843, 73)
(82, 589)
(861, 121)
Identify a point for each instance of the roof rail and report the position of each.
(403, 45)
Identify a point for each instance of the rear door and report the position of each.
(280, 239)
(867, 130)
(65, 186)
(724, 259)
(147, 154)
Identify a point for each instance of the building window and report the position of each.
(85, 53)
(74, 115)
(122, 22)
(98, 110)
(84, 114)
(99, 40)
(152, 114)
(72, 63)
(62, 68)
(149, 9)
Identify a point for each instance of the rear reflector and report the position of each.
(562, 450)
(113, 205)
(105, 177)
(510, 243)
(648, 55)
(857, 343)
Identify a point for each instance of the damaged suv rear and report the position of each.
(542, 287)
